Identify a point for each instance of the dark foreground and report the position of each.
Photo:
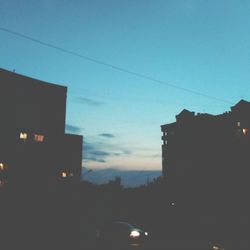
(67, 220)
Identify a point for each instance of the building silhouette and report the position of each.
(35, 152)
(206, 159)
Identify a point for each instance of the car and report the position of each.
(121, 234)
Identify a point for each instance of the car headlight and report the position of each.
(134, 234)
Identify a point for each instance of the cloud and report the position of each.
(98, 152)
(89, 158)
(123, 152)
(107, 135)
(89, 102)
(126, 152)
(156, 156)
(73, 129)
(92, 152)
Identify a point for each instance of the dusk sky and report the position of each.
(198, 45)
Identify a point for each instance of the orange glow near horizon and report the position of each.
(139, 163)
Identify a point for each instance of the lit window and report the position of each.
(245, 131)
(39, 138)
(23, 136)
(2, 166)
(238, 124)
(64, 174)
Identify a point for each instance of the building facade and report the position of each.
(34, 149)
(206, 155)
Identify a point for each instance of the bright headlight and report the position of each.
(134, 234)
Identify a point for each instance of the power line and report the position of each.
(111, 65)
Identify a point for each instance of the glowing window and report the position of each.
(64, 174)
(238, 124)
(23, 136)
(245, 131)
(2, 166)
(39, 138)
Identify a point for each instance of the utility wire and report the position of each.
(111, 65)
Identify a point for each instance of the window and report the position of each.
(238, 124)
(23, 136)
(38, 138)
(245, 131)
(2, 166)
(66, 174)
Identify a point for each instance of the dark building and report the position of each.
(206, 158)
(34, 150)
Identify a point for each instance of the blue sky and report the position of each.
(199, 45)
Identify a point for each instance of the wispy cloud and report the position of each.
(73, 129)
(126, 152)
(156, 156)
(92, 152)
(123, 152)
(99, 152)
(96, 159)
(107, 135)
(89, 101)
